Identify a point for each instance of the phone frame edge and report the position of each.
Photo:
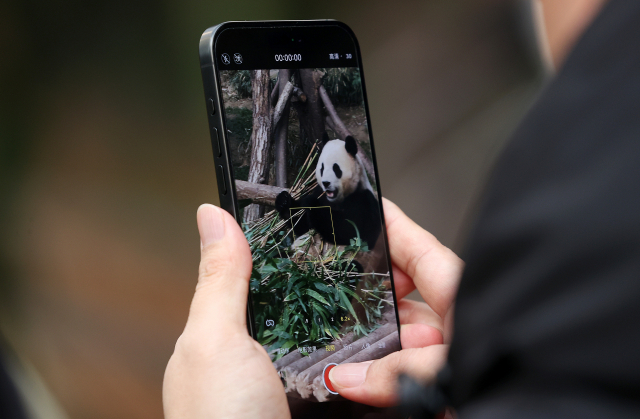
(210, 81)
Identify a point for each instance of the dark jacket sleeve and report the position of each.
(547, 320)
(10, 401)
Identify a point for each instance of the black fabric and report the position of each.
(10, 403)
(547, 320)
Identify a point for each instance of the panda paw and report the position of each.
(284, 201)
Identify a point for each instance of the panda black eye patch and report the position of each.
(337, 171)
(322, 169)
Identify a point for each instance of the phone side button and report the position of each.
(215, 140)
(222, 182)
(211, 107)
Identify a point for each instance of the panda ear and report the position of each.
(350, 145)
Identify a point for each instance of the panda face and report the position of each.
(338, 172)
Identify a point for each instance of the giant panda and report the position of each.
(344, 187)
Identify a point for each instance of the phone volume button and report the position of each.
(211, 109)
(215, 140)
(222, 181)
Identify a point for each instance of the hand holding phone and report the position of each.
(295, 161)
(218, 370)
(296, 168)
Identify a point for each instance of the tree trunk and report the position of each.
(261, 129)
(281, 122)
(310, 111)
(275, 92)
(258, 193)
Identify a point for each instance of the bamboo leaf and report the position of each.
(268, 340)
(353, 294)
(347, 303)
(314, 294)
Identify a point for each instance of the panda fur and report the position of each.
(342, 185)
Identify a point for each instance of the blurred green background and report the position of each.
(105, 157)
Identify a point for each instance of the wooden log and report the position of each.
(299, 94)
(329, 122)
(290, 358)
(341, 129)
(258, 193)
(389, 317)
(376, 350)
(291, 370)
(304, 379)
(293, 365)
(282, 103)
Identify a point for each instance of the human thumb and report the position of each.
(375, 382)
(220, 299)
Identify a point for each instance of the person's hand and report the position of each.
(419, 261)
(217, 369)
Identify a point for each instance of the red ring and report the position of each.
(327, 381)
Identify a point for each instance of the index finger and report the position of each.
(433, 267)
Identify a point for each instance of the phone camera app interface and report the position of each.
(302, 163)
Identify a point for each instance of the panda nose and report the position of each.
(326, 184)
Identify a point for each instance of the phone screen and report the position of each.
(299, 144)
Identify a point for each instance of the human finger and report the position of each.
(223, 279)
(433, 267)
(402, 283)
(417, 335)
(411, 311)
(375, 382)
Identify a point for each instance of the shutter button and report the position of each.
(325, 378)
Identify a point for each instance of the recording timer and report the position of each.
(288, 57)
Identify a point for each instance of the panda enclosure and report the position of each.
(295, 108)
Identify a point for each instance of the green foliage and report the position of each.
(239, 125)
(310, 289)
(314, 300)
(240, 81)
(343, 85)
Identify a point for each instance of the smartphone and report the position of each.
(296, 166)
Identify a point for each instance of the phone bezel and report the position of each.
(211, 80)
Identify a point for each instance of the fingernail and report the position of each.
(210, 224)
(349, 375)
